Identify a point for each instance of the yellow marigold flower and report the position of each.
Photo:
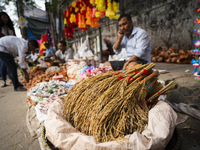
(74, 4)
(97, 14)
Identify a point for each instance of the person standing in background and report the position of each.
(12, 46)
(6, 28)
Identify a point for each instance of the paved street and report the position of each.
(14, 134)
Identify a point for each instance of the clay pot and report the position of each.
(188, 54)
(174, 59)
(157, 57)
(153, 59)
(160, 59)
(180, 52)
(172, 49)
(163, 54)
(166, 55)
(182, 59)
(168, 60)
(158, 50)
(173, 55)
(178, 61)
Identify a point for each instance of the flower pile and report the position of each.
(88, 12)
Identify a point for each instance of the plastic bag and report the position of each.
(84, 50)
(118, 57)
(42, 63)
(84, 47)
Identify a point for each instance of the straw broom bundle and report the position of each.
(83, 85)
(105, 97)
(111, 105)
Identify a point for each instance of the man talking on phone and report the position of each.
(136, 42)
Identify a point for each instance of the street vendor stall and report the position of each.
(84, 106)
(98, 94)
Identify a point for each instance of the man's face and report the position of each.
(47, 46)
(31, 47)
(125, 26)
(61, 47)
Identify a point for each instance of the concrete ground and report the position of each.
(14, 133)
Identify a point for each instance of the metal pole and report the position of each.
(100, 42)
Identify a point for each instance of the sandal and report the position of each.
(3, 84)
(184, 107)
(20, 88)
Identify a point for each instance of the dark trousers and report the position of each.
(118, 65)
(12, 67)
(4, 71)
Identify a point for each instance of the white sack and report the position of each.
(161, 124)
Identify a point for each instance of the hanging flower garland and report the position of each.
(49, 38)
(88, 12)
(196, 61)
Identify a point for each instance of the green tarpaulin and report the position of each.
(37, 27)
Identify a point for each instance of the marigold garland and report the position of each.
(88, 12)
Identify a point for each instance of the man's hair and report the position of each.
(46, 43)
(34, 43)
(63, 43)
(128, 17)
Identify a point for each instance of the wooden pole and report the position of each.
(100, 42)
(21, 14)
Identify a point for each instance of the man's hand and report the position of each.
(120, 37)
(120, 34)
(26, 75)
(125, 65)
(53, 55)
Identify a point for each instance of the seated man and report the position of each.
(63, 54)
(49, 49)
(136, 42)
(33, 58)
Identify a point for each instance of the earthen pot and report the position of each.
(174, 59)
(173, 55)
(180, 52)
(187, 54)
(163, 54)
(158, 50)
(160, 59)
(178, 61)
(182, 59)
(172, 49)
(168, 60)
(153, 59)
(169, 52)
